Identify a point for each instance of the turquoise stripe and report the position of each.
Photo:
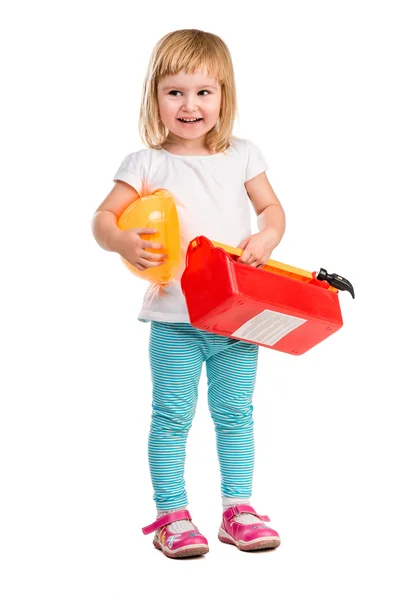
(177, 352)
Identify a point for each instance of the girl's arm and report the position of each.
(270, 218)
(104, 223)
(127, 243)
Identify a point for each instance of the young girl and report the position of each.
(186, 121)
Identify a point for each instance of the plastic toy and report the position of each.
(279, 306)
(156, 211)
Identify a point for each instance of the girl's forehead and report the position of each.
(196, 78)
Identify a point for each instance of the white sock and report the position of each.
(177, 526)
(244, 518)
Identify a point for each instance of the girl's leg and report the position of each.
(231, 373)
(176, 361)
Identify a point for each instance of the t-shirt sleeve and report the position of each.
(255, 161)
(131, 171)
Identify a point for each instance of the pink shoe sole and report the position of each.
(184, 552)
(257, 544)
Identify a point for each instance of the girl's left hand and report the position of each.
(257, 248)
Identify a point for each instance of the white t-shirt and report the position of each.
(211, 200)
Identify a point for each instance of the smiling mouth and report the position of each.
(190, 120)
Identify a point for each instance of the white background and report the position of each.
(330, 93)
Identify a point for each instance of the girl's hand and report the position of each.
(134, 249)
(257, 248)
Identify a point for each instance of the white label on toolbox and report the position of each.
(268, 327)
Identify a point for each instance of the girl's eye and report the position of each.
(173, 92)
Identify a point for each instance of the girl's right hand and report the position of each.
(135, 250)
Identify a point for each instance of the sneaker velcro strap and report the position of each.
(237, 509)
(177, 515)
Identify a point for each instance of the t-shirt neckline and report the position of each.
(190, 156)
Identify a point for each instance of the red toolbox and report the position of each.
(279, 306)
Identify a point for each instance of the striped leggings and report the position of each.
(177, 352)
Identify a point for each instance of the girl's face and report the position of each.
(189, 97)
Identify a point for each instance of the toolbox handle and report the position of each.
(270, 264)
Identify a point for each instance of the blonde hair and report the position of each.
(190, 50)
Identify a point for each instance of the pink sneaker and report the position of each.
(177, 545)
(250, 536)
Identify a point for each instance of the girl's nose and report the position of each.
(190, 102)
